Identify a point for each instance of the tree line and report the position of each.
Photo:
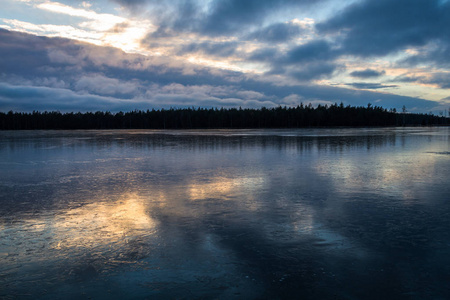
(205, 118)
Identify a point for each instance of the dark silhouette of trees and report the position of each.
(191, 118)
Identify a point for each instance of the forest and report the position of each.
(214, 118)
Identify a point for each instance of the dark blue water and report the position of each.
(271, 214)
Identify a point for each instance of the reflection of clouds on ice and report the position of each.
(73, 233)
(398, 173)
(101, 223)
(333, 240)
(310, 233)
(242, 213)
(224, 187)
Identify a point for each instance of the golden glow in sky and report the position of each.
(96, 28)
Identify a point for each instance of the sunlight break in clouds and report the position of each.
(99, 29)
(101, 21)
(64, 31)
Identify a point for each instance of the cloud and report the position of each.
(309, 61)
(101, 85)
(105, 21)
(381, 27)
(312, 71)
(441, 79)
(269, 55)
(215, 17)
(221, 49)
(277, 33)
(83, 24)
(367, 73)
(62, 74)
(28, 98)
(130, 2)
(437, 54)
(405, 78)
(370, 86)
(312, 51)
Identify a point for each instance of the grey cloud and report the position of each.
(404, 78)
(130, 2)
(370, 86)
(312, 71)
(437, 54)
(336, 94)
(220, 17)
(22, 53)
(367, 73)
(31, 57)
(312, 51)
(230, 15)
(225, 16)
(309, 61)
(170, 16)
(381, 27)
(133, 5)
(119, 28)
(222, 49)
(100, 85)
(441, 79)
(28, 98)
(264, 55)
(278, 33)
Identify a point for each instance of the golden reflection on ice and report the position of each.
(223, 187)
(211, 190)
(102, 223)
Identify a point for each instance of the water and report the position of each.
(269, 214)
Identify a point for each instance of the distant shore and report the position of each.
(221, 118)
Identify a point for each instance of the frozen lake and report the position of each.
(218, 214)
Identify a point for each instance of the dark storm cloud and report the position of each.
(367, 73)
(221, 49)
(381, 27)
(370, 86)
(277, 33)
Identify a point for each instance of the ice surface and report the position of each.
(223, 214)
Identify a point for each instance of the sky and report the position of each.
(122, 55)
